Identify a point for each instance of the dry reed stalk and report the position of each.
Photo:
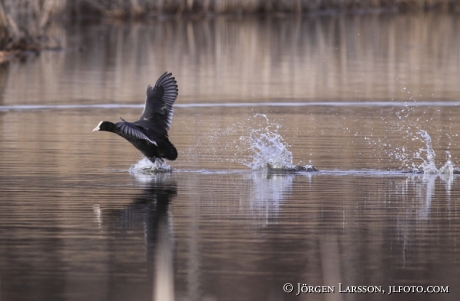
(22, 22)
(141, 8)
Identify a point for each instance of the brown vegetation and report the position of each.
(141, 8)
(23, 22)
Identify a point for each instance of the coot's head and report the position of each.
(105, 126)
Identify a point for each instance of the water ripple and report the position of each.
(239, 104)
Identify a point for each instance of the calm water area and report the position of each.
(366, 99)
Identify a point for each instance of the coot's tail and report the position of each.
(170, 152)
(172, 155)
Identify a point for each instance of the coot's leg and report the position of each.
(160, 161)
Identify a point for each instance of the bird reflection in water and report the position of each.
(150, 209)
(152, 206)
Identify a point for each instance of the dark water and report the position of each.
(359, 97)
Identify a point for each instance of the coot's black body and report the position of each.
(150, 133)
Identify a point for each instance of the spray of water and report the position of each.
(412, 129)
(427, 155)
(145, 166)
(268, 150)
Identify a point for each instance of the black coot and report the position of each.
(150, 133)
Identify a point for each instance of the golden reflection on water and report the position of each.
(346, 57)
(75, 224)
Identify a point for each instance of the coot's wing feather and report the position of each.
(128, 129)
(159, 101)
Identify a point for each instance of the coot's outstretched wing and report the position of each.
(129, 130)
(159, 101)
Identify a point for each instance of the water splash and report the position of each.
(427, 155)
(268, 149)
(265, 196)
(145, 166)
(411, 126)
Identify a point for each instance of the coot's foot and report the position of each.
(308, 168)
(159, 161)
(291, 168)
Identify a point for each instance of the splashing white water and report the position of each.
(428, 166)
(409, 127)
(145, 166)
(269, 151)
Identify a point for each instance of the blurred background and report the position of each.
(23, 22)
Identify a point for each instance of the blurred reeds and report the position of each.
(22, 22)
(140, 7)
